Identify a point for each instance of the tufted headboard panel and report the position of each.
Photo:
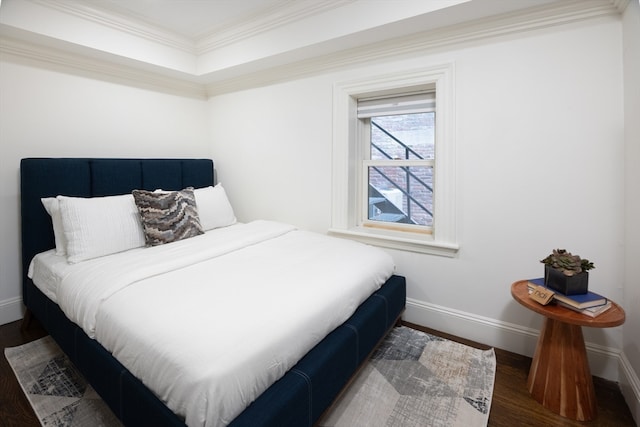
(93, 177)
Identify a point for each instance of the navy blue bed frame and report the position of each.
(297, 399)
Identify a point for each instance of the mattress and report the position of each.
(199, 322)
(47, 270)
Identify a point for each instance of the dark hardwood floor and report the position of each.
(15, 409)
(511, 404)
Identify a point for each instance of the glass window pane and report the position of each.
(401, 194)
(406, 136)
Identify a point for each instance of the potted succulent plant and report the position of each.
(567, 273)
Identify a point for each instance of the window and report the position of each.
(399, 147)
(393, 161)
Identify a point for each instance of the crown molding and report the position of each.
(73, 63)
(262, 21)
(265, 20)
(121, 23)
(513, 23)
(621, 5)
(203, 86)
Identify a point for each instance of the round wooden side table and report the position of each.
(559, 377)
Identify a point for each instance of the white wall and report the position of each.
(50, 113)
(541, 154)
(540, 165)
(631, 343)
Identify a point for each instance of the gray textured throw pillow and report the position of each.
(167, 216)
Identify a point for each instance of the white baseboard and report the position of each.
(604, 362)
(630, 385)
(11, 310)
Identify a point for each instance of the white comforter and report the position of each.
(211, 322)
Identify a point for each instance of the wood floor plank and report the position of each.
(512, 405)
(15, 410)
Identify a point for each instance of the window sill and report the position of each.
(402, 243)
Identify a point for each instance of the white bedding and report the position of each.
(47, 270)
(210, 322)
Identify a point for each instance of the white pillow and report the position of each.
(214, 208)
(100, 226)
(51, 206)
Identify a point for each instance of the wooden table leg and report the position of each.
(559, 377)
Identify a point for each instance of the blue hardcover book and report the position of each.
(590, 299)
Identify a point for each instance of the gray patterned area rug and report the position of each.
(416, 380)
(58, 393)
(413, 379)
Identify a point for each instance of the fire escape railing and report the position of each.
(407, 188)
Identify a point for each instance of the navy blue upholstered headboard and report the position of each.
(82, 177)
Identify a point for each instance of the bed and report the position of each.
(298, 397)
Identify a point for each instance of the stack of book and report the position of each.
(590, 304)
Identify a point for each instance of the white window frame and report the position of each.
(348, 161)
